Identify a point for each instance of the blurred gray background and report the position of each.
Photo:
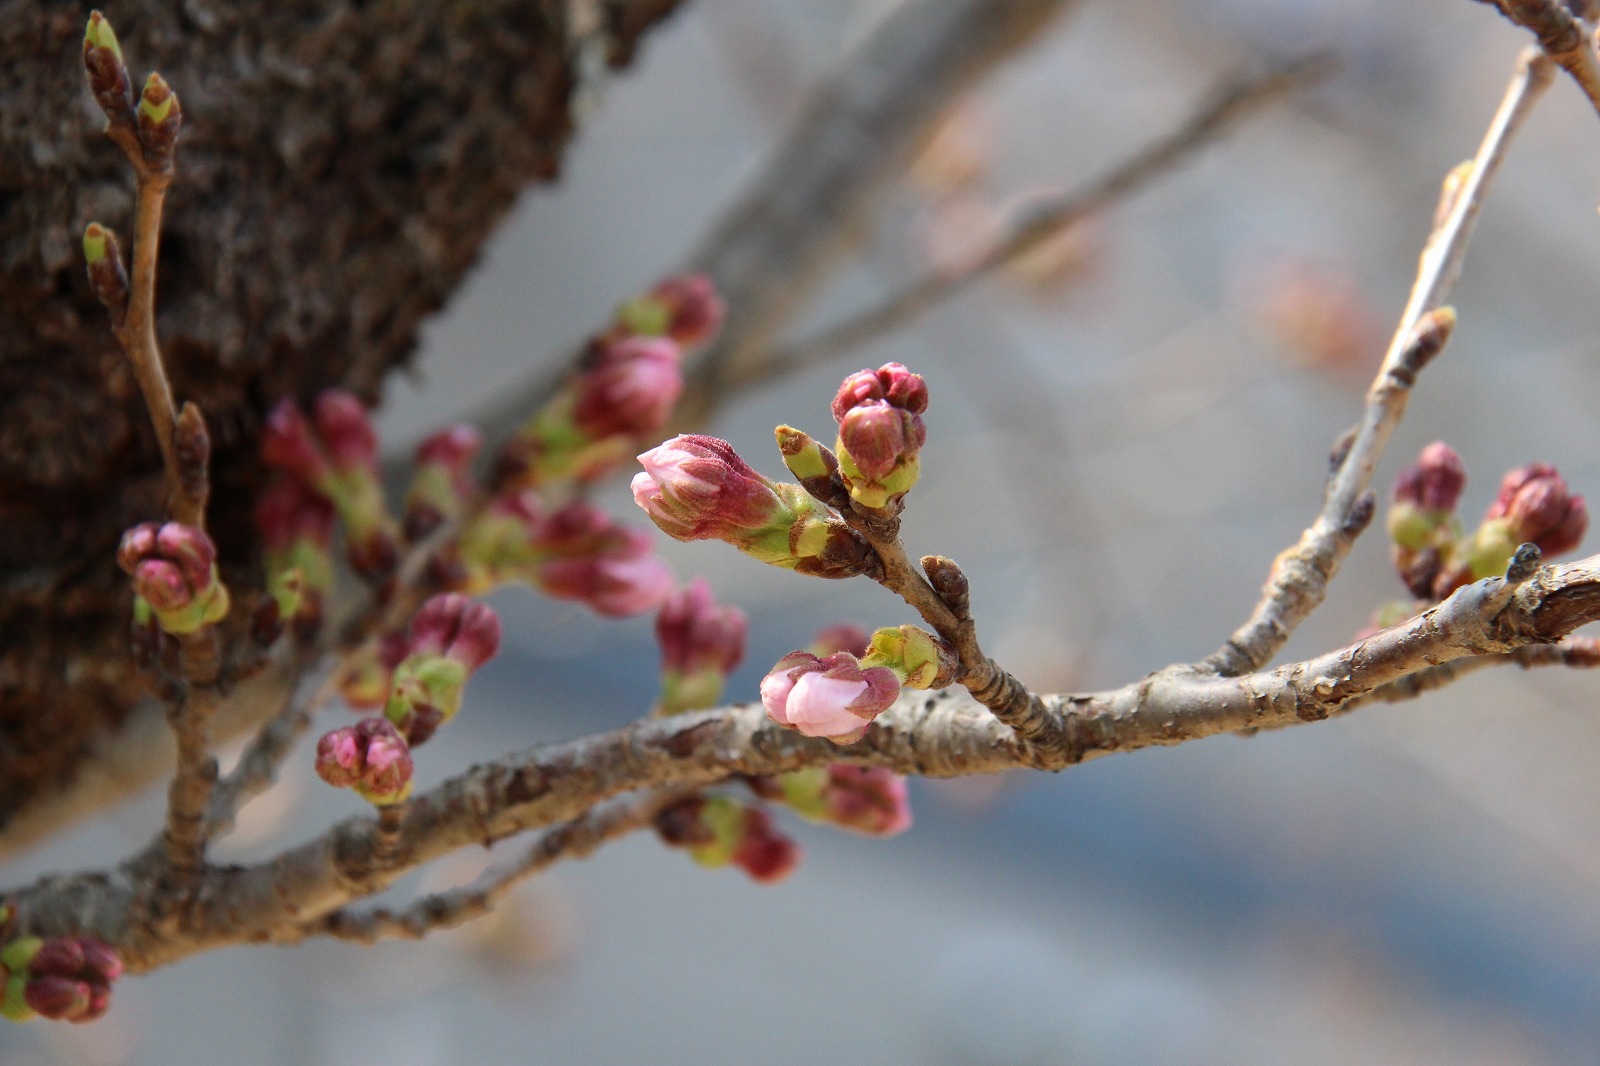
(1121, 438)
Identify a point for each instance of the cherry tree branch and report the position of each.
(1300, 575)
(1563, 36)
(940, 734)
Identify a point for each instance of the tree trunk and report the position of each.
(339, 169)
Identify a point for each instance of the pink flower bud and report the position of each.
(370, 757)
(1435, 482)
(694, 309)
(764, 853)
(630, 388)
(346, 430)
(287, 443)
(879, 437)
(623, 578)
(891, 383)
(288, 512)
(696, 487)
(60, 999)
(832, 697)
(453, 626)
(452, 448)
(173, 567)
(841, 636)
(100, 960)
(696, 634)
(62, 957)
(870, 800)
(442, 484)
(1539, 507)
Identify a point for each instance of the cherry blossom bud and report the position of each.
(174, 571)
(720, 830)
(685, 307)
(870, 800)
(584, 555)
(442, 484)
(835, 697)
(498, 544)
(919, 659)
(697, 488)
(1534, 505)
(288, 444)
(64, 979)
(450, 638)
(1435, 482)
(891, 383)
(841, 636)
(370, 757)
(701, 643)
(629, 389)
(880, 433)
(1422, 523)
(108, 74)
(453, 626)
(296, 527)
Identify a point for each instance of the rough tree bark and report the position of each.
(341, 165)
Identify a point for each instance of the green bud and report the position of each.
(919, 659)
(16, 955)
(13, 1007)
(99, 34)
(645, 316)
(94, 243)
(724, 817)
(157, 100)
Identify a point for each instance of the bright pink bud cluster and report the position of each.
(65, 979)
(720, 830)
(451, 637)
(336, 457)
(865, 799)
(442, 484)
(701, 643)
(370, 757)
(833, 697)
(698, 488)
(174, 570)
(880, 433)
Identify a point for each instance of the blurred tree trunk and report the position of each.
(340, 166)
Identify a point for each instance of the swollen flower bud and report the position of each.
(835, 697)
(870, 800)
(451, 637)
(107, 276)
(582, 554)
(442, 484)
(701, 643)
(1422, 523)
(370, 757)
(296, 526)
(720, 830)
(880, 433)
(697, 488)
(174, 571)
(629, 389)
(685, 307)
(64, 979)
(1539, 507)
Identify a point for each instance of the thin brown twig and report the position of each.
(1222, 112)
(437, 911)
(1300, 575)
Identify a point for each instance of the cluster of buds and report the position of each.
(880, 433)
(156, 120)
(370, 757)
(442, 485)
(837, 696)
(335, 456)
(720, 830)
(418, 679)
(624, 391)
(296, 527)
(1432, 552)
(575, 553)
(65, 979)
(701, 643)
(864, 799)
(174, 570)
(698, 488)
(451, 637)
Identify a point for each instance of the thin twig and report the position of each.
(1300, 575)
(1226, 108)
(257, 768)
(436, 911)
(1562, 36)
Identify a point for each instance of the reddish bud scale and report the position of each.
(159, 117)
